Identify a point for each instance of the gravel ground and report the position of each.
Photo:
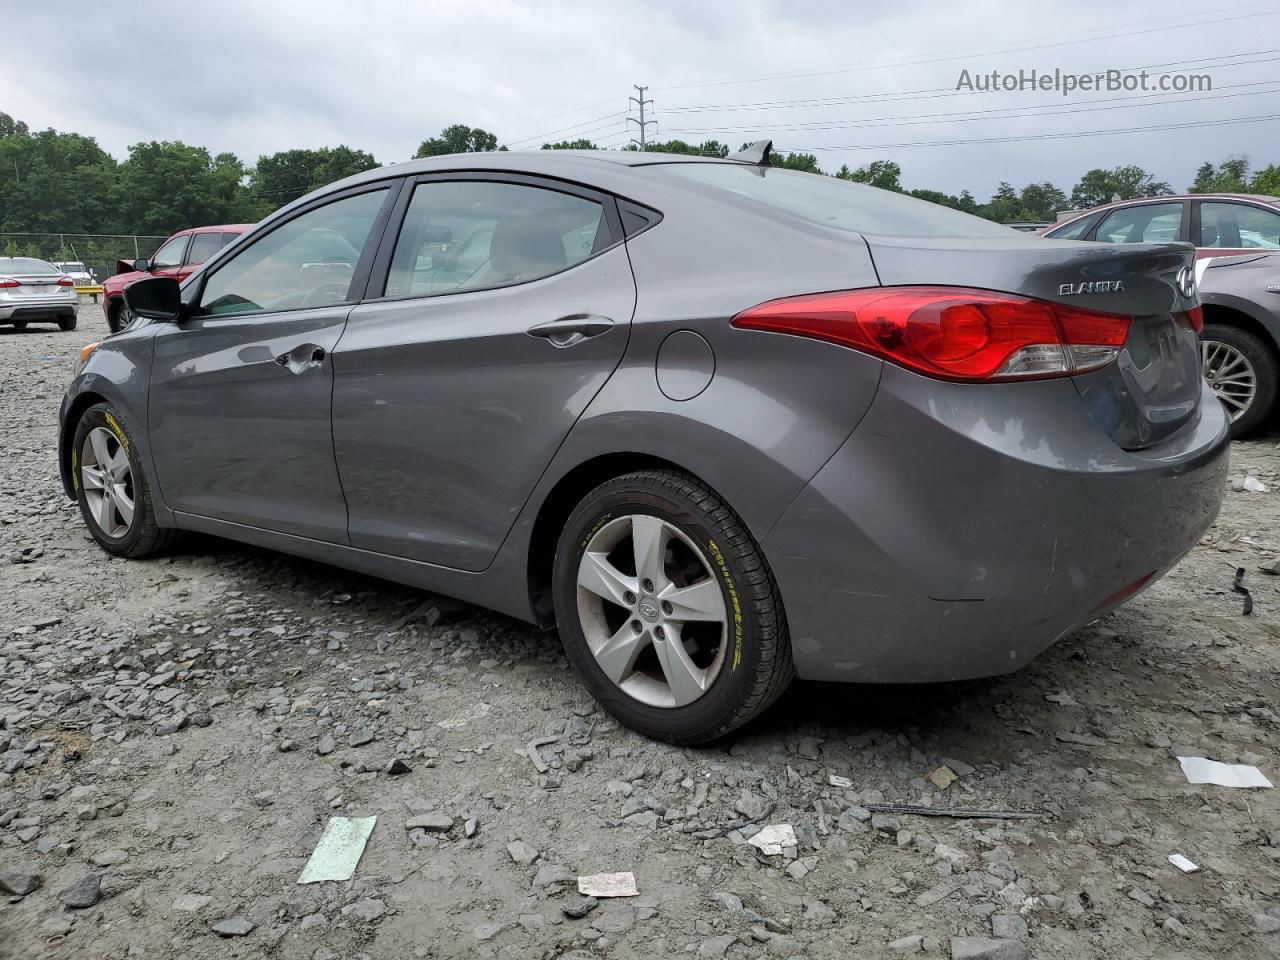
(175, 734)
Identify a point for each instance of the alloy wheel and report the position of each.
(107, 480)
(1231, 376)
(652, 610)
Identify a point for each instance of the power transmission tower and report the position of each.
(642, 123)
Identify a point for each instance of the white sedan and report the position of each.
(32, 289)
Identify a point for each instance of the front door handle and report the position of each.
(568, 331)
(302, 357)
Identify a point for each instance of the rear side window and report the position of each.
(1238, 225)
(308, 262)
(473, 235)
(204, 246)
(837, 203)
(1073, 231)
(1145, 223)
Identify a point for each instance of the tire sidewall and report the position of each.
(1265, 370)
(735, 680)
(104, 415)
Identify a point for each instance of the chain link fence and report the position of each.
(97, 251)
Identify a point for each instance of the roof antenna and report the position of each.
(756, 153)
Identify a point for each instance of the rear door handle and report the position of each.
(568, 331)
(302, 357)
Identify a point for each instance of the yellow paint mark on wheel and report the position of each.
(118, 430)
(733, 598)
(75, 469)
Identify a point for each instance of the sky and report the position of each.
(851, 82)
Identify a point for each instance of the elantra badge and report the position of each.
(1090, 286)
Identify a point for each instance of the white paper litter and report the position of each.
(1254, 485)
(772, 839)
(608, 885)
(338, 853)
(1182, 863)
(1200, 770)
(838, 781)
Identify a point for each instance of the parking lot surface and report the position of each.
(175, 734)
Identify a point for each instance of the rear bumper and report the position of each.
(38, 310)
(961, 530)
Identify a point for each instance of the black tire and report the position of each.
(118, 316)
(144, 537)
(20, 324)
(1266, 372)
(66, 323)
(758, 664)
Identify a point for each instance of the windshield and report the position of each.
(25, 265)
(836, 203)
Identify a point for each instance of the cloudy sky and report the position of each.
(849, 82)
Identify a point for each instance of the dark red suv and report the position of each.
(178, 257)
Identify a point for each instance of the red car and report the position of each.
(178, 257)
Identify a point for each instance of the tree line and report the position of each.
(58, 182)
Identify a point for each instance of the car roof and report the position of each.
(218, 228)
(1172, 198)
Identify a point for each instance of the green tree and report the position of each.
(458, 138)
(1099, 186)
(1041, 201)
(1267, 181)
(884, 174)
(282, 177)
(570, 145)
(166, 186)
(1230, 176)
(806, 162)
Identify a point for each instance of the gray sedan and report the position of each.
(719, 423)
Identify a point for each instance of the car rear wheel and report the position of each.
(111, 488)
(668, 610)
(1242, 373)
(19, 324)
(67, 323)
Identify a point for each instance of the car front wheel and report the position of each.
(118, 316)
(112, 489)
(1242, 373)
(668, 610)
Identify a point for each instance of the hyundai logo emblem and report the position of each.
(1186, 281)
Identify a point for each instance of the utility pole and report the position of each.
(642, 123)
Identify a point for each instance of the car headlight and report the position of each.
(85, 353)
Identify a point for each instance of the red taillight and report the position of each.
(954, 333)
(1195, 317)
(6, 282)
(66, 282)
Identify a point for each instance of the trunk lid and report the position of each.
(1154, 386)
(35, 286)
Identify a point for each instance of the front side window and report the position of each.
(308, 262)
(1238, 225)
(1145, 223)
(203, 246)
(472, 235)
(170, 255)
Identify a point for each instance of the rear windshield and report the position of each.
(26, 265)
(838, 203)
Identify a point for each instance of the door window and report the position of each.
(472, 235)
(1073, 231)
(1238, 225)
(1145, 223)
(170, 255)
(204, 246)
(308, 262)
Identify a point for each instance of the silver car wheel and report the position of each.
(1230, 375)
(107, 480)
(652, 611)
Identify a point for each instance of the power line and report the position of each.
(1039, 136)
(971, 116)
(545, 136)
(1089, 37)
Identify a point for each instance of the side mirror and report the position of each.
(142, 265)
(155, 298)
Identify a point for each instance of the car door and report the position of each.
(239, 409)
(1225, 228)
(496, 315)
(167, 261)
(202, 247)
